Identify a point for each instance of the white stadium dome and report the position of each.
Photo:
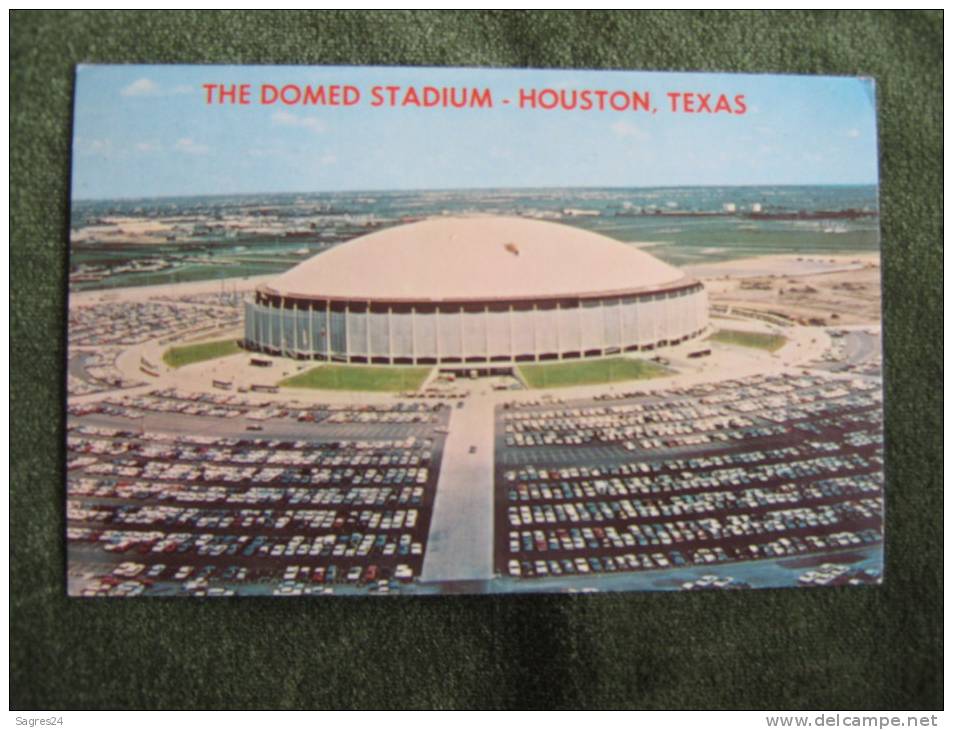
(475, 289)
(475, 259)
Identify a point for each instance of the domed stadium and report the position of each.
(475, 290)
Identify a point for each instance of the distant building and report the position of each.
(475, 290)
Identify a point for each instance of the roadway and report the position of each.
(460, 547)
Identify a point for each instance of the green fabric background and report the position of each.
(867, 648)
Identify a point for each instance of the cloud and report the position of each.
(85, 146)
(287, 119)
(148, 87)
(853, 133)
(328, 159)
(627, 129)
(141, 87)
(148, 147)
(190, 146)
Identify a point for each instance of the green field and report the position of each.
(358, 377)
(176, 357)
(749, 339)
(590, 372)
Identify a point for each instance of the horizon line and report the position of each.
(166, 196)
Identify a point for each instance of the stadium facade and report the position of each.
(475, 290)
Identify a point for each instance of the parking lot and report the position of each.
(167, 511)
(766, 468)
(130, 323)
(225, 414)
(855, 351)
(95, 371)
(99, 333)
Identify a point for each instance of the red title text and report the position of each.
(471, 97)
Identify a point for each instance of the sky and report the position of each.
(148, 131)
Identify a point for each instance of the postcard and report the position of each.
(341, 331)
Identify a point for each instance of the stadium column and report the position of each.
(463, 341)
(680, 313)
(436, 339)
(685, 298)
(250, 310)
(687, 320)
(664, 316)
(261, 331)
(602, 329)
(559, 344)
(656, 316)
(271, 324)
(390, 334)
(294, 330)
(257, 330)
(689, 313)
(621, 327)
(281, 325)
(509, 310)
(677, 314)
(637, 337)
(310, 330)
(486, 330)
(684, 322)
(347, 332)
(582, 330)
(367, 330)
(413, 334)
(535, 339)
(667, 336)
(327, 331)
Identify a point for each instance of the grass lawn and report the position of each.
(590, 372)
(358, 377)
(749, 339)
(176, 357)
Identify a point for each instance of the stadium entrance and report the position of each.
(481, 371)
